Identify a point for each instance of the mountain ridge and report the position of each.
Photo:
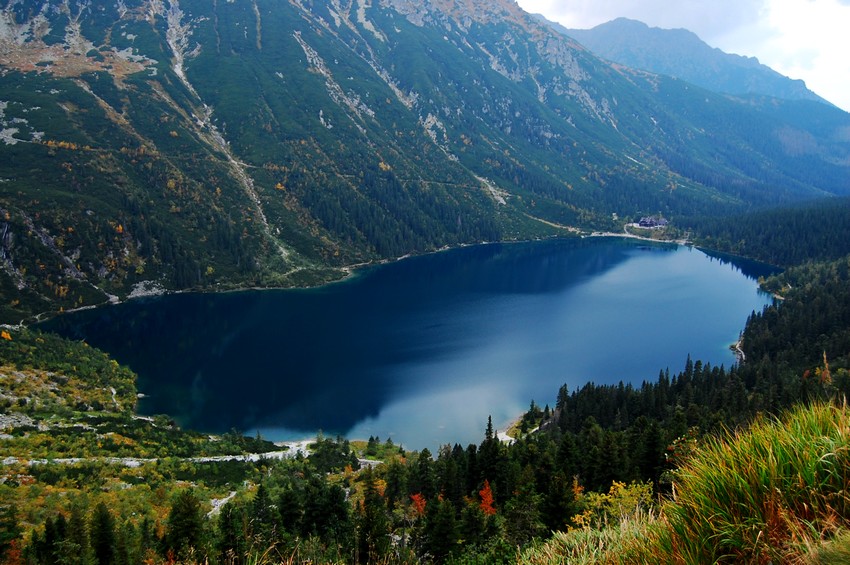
(252, 143)
(682, 54)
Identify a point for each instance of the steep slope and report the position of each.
(162, 144)
(682, 54)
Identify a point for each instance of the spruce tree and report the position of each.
(264, 517)
(184, 530)
(441, 529)
(373, 540)
(102, 530)
(232, 534)
(291, 510)
(522, 512)
(9, 530)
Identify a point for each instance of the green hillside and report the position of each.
(149, 146)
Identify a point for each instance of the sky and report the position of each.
(802, 39)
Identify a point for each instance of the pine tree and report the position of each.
(421, 477)
(488, 432)
(55, 531)
(373, 540)
(522, 512)
(127, 544)
(441, 530)
(396, 478)
(558, 503)
(73, 548)
(232, 542)
(9, 530)
(473, 524)
(490, 456)
(372, 446)
(291, 510)
(184, 530)
(103, 535)
(264, 517)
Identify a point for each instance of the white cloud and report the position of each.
(809, 40)
(803, 39)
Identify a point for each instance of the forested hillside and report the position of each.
(791, 235)
(597, 454)
(150, 145)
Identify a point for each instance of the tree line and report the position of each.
(480, 502)
(814, 231)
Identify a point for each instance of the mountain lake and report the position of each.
(424, 349)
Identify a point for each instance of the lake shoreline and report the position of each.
(474, 349)
(153, 289)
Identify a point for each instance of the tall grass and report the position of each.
(767, 494)
(776, 492)
(628, 542)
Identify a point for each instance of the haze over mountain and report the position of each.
(149, 144)
(682, 54)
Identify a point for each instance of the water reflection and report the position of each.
(424, 349)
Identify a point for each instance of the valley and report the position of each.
(181, 179)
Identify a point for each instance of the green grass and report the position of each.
(774, 493)
(766, 494)
(625, 542)
(832, 552)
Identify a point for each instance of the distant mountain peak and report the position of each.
(680, 53)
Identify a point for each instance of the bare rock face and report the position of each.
(518, 51)
(50, 39)
(461, 12)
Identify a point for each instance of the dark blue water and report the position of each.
(423, 350)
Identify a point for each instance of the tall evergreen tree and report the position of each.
(73, 548)
(558, 503)
(441, 529)
(490, 460)
(184, 530)
(102, 530)
(396, 479)
(264, 517)
(9, 529)
(522, 512)
(291, 509)
(373, 539)
(232, 544)
(55, 531)
(127, 545)
(421, 479)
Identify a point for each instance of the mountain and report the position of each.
(682, 54)
(165, 144)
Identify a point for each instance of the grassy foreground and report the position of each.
(774, 493)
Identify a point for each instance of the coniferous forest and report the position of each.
(788, 236)
(87, 481)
